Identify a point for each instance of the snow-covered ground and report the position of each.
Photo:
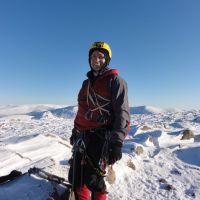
(168, 168)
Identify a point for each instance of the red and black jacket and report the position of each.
(103, 102)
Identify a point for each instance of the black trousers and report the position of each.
(81, 171)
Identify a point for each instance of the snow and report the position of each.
(25, 109)
(38, 135)
(150, 110)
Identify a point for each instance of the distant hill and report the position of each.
(70, 111)
(64, 112)
(7, 110)
(49, 111)
(150, 110)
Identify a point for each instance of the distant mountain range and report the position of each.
(48, 110)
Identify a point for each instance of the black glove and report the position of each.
(74, 136)
(115, 153)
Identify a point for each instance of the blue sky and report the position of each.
(44, 49)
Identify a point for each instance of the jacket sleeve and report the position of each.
(121, 113)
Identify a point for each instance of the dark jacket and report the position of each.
(103, 103)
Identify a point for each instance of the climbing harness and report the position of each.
(93, 97)
(81, 147)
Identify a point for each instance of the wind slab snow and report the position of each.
(168, 168)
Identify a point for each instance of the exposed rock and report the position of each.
(3, 126)
(162, 180)
(150, 139)
(131, 165)
(193, 195)
(175, 171)
(166, 126)
(170, 187)
(47, 115)
(187, 134)
(145, 128)
(165, 185)
(139, 150)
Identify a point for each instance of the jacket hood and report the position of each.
(107, 72)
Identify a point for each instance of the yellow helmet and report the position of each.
(101, 45)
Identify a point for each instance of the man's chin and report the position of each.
(97, 69)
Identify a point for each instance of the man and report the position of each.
(100, 126)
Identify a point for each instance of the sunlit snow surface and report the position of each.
(38, 135)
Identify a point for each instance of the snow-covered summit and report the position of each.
(150, 110)
(63, 112)
(7, 110)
